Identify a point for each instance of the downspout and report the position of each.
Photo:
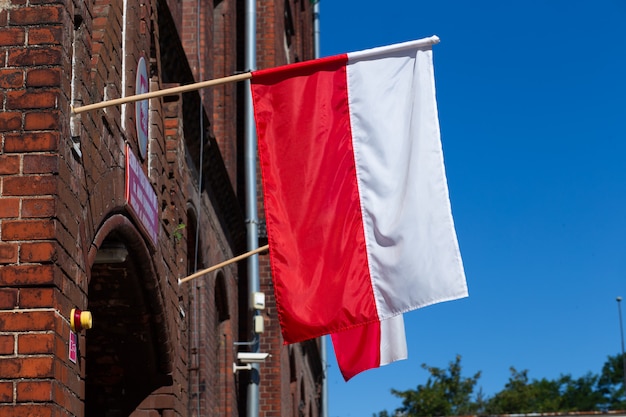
(196, 286)
(251, 210)
(316, 28)
(324, 339)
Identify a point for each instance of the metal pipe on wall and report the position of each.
(197, 286)
(251, 210)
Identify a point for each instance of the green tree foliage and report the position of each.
(522, 396)
(546, 396)
(448, 393)
(582, 394)
(445, 393)
(611, 382)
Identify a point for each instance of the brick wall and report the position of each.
(157, 348)
(225, 96)
(33, 329)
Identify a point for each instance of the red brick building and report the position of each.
(105, 210)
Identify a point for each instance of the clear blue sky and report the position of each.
(532, 106)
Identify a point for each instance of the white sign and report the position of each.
(141, 107)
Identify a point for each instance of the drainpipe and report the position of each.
(251, 210)
(324, 339)
(316, 28)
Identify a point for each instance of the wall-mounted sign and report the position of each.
(73, 351)
(140, 197)
(141, 107)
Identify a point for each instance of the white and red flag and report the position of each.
(356, 199)
(370, 346)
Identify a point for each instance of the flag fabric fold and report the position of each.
(370, 346)
(356, 199)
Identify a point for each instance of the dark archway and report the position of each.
(127, 349)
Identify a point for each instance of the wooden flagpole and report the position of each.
(176, 90)
(223, 264)
(164, 92)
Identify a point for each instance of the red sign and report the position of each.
(140, 196)
(73, 353)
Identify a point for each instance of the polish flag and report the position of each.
(355, 193)
(370, 346)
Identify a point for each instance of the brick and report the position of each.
(34, 56)
(8, 253)
(6, 392)
(31, 142)
(22, 99)
(36, 367)
(27, 229)
(7, 344)
(68, 401)
(17, 321)
(36, 15)
(9, 207)
(11, 78)
(38, 207)
(35, 344)
(51, 35)
(8, 298)
(34, 391)
(27, 275)
(26, 410)
(171, 123)
(67, 199)
(29, 185)
(10, 121)
(9, 164)
(40, 164)
(41, 121)
(37, 252)
(12, 36)
(43, 77)
(36, 298)
(100, 22)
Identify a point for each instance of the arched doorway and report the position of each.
(127, 348)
